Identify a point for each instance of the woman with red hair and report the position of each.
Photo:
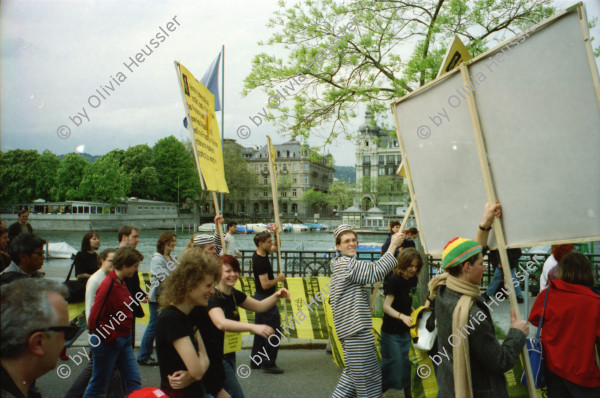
(223, 311)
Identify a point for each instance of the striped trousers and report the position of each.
(361, 376)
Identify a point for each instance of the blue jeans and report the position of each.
(106, 356)
(499, 279)
(146, 346)
(395, 363)
(232, 386)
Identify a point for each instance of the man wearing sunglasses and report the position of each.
(33, 331)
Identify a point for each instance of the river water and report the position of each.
(311, 241)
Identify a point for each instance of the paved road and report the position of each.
(309, 373)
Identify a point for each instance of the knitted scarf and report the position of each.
(461, 364)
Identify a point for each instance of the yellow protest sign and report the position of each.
(232, 342)
(199, 104)
(456, 54)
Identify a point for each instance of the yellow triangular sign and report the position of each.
(456, 54)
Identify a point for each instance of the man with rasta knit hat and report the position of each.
(352, 316)
(471, 360)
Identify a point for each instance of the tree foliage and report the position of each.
(105, 180)
(340, 195)
(238, 176)
(386, 188)
(176, 170)
(331, 70)
(17, 176)
(312, 197)
(69, 176)
(45, 169)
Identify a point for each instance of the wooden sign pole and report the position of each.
(276, 212)
(218, 226)
(491, 197)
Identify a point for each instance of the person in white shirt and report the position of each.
(96, 279)
(80, 384)
(230, 241)
(558, 252)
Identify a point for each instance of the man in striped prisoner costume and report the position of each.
(352, 316)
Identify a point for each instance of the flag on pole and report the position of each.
(211, 81)
(272, 160)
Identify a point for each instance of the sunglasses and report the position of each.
(69, 331)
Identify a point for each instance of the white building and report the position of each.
(377, 160)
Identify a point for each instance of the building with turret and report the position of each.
(377, 160)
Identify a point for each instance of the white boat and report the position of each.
(257, 227)
(208, 227)
(299, 228)
(60, 250)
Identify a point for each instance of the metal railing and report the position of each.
(307, 263)
(301, 263)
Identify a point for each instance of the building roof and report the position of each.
(352, 209)
(370, 125)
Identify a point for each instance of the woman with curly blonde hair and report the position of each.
(181, 352)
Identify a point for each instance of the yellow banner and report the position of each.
(272, 157)
(200, 109)
(456, 54)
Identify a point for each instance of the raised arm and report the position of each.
(491, 211)
(362, 272)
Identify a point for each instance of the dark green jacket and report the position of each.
(489, 359)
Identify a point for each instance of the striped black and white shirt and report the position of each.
(349, 299)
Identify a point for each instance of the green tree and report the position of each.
(340, 195)
(145, 184)
(46, 169)
(392, 189)
(176, 171)
(330, 72)
(69, 175)
(17, 176)
(313, 198)
(238, 176)
(105, 180)
(137, 163)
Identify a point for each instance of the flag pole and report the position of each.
(276, 212)
(222, 108)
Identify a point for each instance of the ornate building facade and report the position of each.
(377, 160)
(298, 170)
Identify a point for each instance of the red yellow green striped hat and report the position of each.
(458, 250)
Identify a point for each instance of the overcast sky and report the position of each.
(56, 54)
